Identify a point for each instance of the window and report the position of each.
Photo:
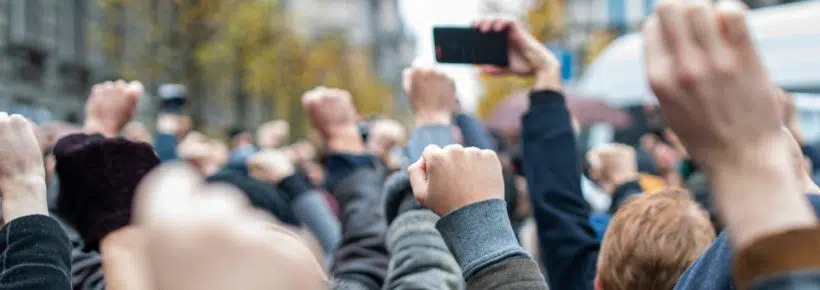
(26, 24)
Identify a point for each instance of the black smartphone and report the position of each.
(468, 45)
(173, 98)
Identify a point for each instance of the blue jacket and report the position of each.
(568, 244)
(713, 270)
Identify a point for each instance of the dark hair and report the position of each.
(98, 179)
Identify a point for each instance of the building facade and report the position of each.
(46, 63)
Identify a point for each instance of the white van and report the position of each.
(788, 39)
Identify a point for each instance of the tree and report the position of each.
(236, 53)
(543, 20)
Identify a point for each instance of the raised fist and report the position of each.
(208, 237)
(270, 166)
(22, 171)
(714, 92)
(332, 113)
(432, 95)
(613, 165)
(330, 110)
(448, 179)
(111, 105)
(527, 55)
(272, 134)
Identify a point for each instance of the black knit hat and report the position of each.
(98, 178)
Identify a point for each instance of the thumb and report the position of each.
(418, 178)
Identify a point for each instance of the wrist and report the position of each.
(23, 197)
(623, 178)
(433, 118)
(546, 78)
(92, 126)
(347, 140)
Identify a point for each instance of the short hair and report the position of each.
(652, 240)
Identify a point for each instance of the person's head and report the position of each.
(652, 240)
(272, 134)
(240, 137)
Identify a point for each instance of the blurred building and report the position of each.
(592, 24)
(376, 24)
(46, 64)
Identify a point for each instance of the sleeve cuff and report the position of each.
(294, 185)
(479, 235)
(546, 97)
(341, 165)
(622, 194)
(441, 135)
(789, 251)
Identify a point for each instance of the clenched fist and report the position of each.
(711, 83)
(332, 113)
(613, 165)
(110, 106)
(448, 179)
(22, 172)
(272, 134)
(208, 237)
(270, 166)
(432, 95)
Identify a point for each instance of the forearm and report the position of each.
(311, 208)
(36, 254)
(362, 256)
(480, 236)
(474, 133)
(747, 189)
(568, 244)
(419, 258)
(441, 135)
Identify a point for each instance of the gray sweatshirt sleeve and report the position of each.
(483, 242)
(419, 257)
(312, 209)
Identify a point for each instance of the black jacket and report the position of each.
(36, 255)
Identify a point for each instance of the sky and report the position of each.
(421, 16)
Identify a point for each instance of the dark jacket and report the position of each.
(36, 255)
(713, 269)
(798, 280)
(568, 245)
(362, 258)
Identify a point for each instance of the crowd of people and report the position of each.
(450, 205)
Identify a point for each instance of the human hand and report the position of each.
(272, 134)
(666, 157)
(22, 172)
(444, 180)
(270, 166)
(110, 106)
(613, 165)
(384, 135)
(790, 116)
(332, 113)
(527, 56)
(717, 97)
(432, 95)
(208, 237)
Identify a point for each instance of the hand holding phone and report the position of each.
(525, 54)
(468, 45)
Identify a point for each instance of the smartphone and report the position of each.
(466, 45)
(173, 98)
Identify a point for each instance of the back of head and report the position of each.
(98, 177)
(652, 240)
